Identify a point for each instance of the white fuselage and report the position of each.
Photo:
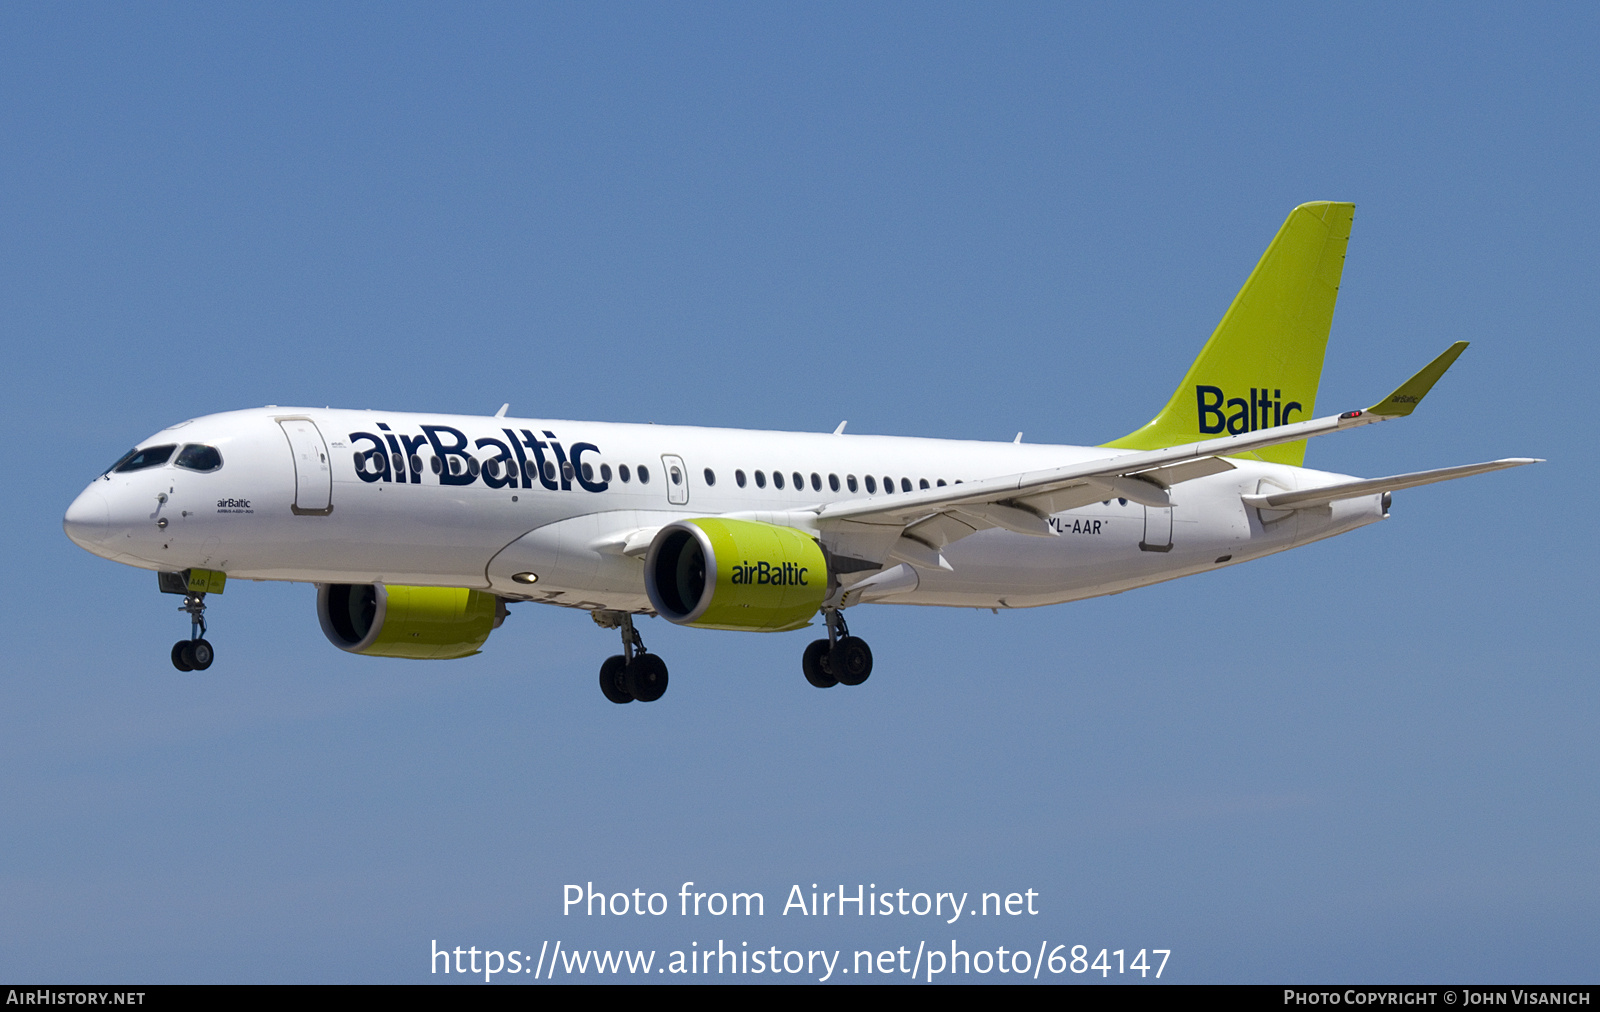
(549, 498)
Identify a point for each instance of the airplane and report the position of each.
(419, 529)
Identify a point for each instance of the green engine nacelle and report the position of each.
(423, 623)
(735, 574)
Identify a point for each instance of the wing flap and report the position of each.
(942, 528)
(1177, 473)
(1018, 521)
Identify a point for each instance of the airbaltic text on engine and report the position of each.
(785, 574)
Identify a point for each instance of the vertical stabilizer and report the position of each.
(1263, 362)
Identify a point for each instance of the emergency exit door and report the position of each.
(677, 479)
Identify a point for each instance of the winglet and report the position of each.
(1410, 393)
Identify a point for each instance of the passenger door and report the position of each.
(313, 477)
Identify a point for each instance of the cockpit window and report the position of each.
(138, 460)
(196, 457)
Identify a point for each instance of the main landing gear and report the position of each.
(194, 653)
(841, 659)
(632, 674)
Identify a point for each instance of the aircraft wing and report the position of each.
(914, 526)
(1143, 477)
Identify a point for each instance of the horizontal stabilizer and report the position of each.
(1351, 489)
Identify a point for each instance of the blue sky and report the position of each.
(1371, 759)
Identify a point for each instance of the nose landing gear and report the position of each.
(841, 659)
(194, 653)
(632, 674)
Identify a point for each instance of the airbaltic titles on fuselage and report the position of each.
(517, 461)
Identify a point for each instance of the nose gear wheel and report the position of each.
(194, 653)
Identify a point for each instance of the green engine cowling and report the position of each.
(735, 574)
(422, 623)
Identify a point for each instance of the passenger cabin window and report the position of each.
(644, 475)
(761, 479)
(711, 477)
(195, 457)
(622, 472)
(833, 482)
(872, 485)
(777, 479)
(738, 478)
(138, 460)
(605, 472)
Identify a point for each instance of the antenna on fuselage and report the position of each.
(502, 412)
(1018, 440)
(840, 430)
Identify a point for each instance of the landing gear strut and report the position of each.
(194, 653)
(634, 673)
(841, 659)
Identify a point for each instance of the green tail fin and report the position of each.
(1263, 362)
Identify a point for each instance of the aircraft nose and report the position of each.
(88, 519)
